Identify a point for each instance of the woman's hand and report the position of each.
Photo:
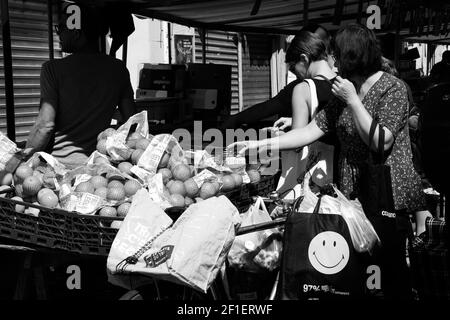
(344, 90)
(283, 123)
(243, 146)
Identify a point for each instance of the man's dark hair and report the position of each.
(357, 51)
(93, 22)
(306, 43)
(446, 56)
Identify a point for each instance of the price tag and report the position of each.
(203, 176)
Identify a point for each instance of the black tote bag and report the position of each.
(375, 185)
(319, 261)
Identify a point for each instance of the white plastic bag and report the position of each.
(256, 250)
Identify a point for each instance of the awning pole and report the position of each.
(203, 36)
(7, 66)
(50, 29)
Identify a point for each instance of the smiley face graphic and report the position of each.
(328, 252)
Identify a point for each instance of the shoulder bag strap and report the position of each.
(314, 100)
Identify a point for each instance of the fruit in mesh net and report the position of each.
(228, 183)
(85, 187)
(101, 146)
(125, 167)
(31, 186)
(48, 199)
(177, 187)
(131, 187)
(35, 162)
(177, 200)
(254, 175)
(98, 181)
(182, 172)
(136, 155)
(142, 143)
(238, 180)
(123, 209)
(101, 192)
(108, 212)
(116, 194)
(207, 190)
(191, 188)
(22, 172)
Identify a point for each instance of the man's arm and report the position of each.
(43, 129)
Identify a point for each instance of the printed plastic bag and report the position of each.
(363, 235)
(116, 144)
(7, 150)
(256, 251)
(191, 252)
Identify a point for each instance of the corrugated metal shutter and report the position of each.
(29, 41)
(221, 48)
(257, 51)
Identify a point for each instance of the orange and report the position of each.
(43, 191)
(115, 176)
(6, 178)
(106, 133)
(123, 209)
(191, 187)
(181, 172)
(98, 181)
(48, 199)
(18, 207)
(188, 201)
(22, 172)
(131, 187)
(142, 143)
(254, 175)
(136, 155)
(166, 174)
(125, 167)
(177, 200)
(31, 186)
(228, 183)
(101, 192)
(164, 160)
(115, 193)
(208, 190)
(101, 146)
(131, 144)
(169, 183)
(177, 187)
(115, 184)
(85, 187)
(216, 185)
(108, 212)
(238, 180)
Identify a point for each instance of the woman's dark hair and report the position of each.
(357, 51)
(321, 31)
(306, 43)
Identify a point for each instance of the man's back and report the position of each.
(85, 89)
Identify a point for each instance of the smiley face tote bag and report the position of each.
(319, 261)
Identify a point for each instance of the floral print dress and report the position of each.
(387, 103)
